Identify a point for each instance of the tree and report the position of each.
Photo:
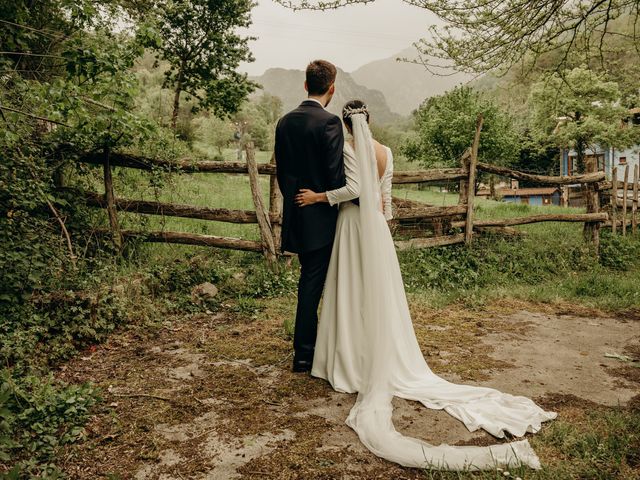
(216, 132)
(446, 124)
(270, 107)
(579, 109)
(199, 40)
(255, 125)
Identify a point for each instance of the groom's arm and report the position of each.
(277, 153)
(334, 144)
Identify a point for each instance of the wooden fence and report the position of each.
(450, 224)
(622, 204)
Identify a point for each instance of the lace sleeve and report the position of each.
(351, 189)
(386, 186)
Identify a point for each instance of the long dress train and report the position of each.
(366, 342)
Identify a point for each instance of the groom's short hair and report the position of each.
(320, 76)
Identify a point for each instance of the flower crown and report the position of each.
(348, 112)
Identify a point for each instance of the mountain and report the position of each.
(289, 86)
(405, 85)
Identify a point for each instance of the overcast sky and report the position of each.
(349, 37)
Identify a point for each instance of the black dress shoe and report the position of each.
(300, 366)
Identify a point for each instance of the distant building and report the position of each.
(607, 158)
(529, 196)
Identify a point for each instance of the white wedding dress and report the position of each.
(366, 342)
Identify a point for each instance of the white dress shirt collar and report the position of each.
(309, 99)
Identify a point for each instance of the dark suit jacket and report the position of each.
(308, 150)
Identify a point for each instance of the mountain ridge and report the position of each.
(404, 84)
(288, 84)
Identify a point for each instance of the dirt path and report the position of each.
(566, 355)
(212, 397)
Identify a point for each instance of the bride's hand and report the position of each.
(307, 197)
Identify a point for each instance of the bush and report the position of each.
(618, 252)
(492, 261)
(56, 326)
(183, 274)
(39, 416)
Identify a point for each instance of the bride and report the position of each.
(366, 342)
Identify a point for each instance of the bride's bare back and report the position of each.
(381, 156)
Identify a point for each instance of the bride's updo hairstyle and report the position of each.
(351, 108)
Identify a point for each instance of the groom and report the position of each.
(308, 151)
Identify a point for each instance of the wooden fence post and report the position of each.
(464, 182)
(634, 202)
(109, 197)
(614, 199)
(624, 200)
(275, 206)
(266, 234)
(471, 186)
(591, 231)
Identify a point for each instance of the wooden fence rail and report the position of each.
(451, 224)
(593, 177)
(148, 207)
(187, 165)
(191, 239)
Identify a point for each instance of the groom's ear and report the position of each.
(306, 87)
(332, 88)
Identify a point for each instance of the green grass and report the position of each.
(230, 191)
(598, 444)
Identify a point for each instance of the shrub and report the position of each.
(39, 416)
(618, 252)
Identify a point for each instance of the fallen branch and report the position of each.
(143, 395)
(66, 234)
(31, 115)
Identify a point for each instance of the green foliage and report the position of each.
(618, 252)
(183, 274)
(263, 283)
(247, 307)
(38, 417)
(605, 445)
(270, 108)
(602, 445)
(199, 40)
(491, 262)
(56, 326)
(393, 136)
(257, 120)
(579, 110)
(446, 124)
(215, 132)
(74, 71)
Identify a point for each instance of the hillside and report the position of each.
(404, 85)
(289, 86)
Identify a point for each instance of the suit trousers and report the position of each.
(313, 273)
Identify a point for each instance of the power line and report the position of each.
(350, 32)
(388, 47)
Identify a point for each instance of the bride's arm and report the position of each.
(350, 191)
